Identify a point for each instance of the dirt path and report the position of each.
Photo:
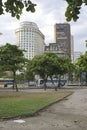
(69, 114)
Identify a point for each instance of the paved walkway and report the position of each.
(69, 114)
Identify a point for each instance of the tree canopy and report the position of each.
(11, 59)
(73, 9)
(15, 7)
(29, 75)
(82, 65)
(45, 65)
(82, 62)
(49, 65)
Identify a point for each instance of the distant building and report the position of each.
(77, 55)
(62, 40)
(30, 39)
(72, 48)
(62, 37)
(53, 47)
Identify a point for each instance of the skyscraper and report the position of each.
(30, 39)
(62, 37)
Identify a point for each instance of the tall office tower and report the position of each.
(30, 39)
(62, 37)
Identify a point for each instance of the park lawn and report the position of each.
(13, 104)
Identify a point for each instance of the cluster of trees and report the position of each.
(11, 61)
(48, 64)
(15, 8)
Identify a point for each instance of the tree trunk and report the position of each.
(59, 81)
(52, 80)
(45, 80)
(15, 84)
(53, 83)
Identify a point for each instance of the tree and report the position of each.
(82, 64)
(29, 75)
(15, 7)
(20, 78)
(11, 59)
(49, 65)
(64, 66)
(86, 42)
(44, 65)
(73, 9)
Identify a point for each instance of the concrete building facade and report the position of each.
(62, 37)
(30, 39)
(72, 48)
(53, 47)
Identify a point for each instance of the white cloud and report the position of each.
(47, 14)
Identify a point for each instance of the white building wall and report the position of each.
(30, 39)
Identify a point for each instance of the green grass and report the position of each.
(14, 104)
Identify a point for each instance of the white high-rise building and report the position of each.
(30, 39)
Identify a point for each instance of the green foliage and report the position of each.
(11, 59)
(73, 9)
(20, 78)
(82, 64)
(86, 42)
(50, 64)
(29, 75)
(15, 7)
(44, 65)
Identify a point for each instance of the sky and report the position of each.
(48, 13)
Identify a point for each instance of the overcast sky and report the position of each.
(48, 12)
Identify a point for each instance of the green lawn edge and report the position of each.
(37, 111)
